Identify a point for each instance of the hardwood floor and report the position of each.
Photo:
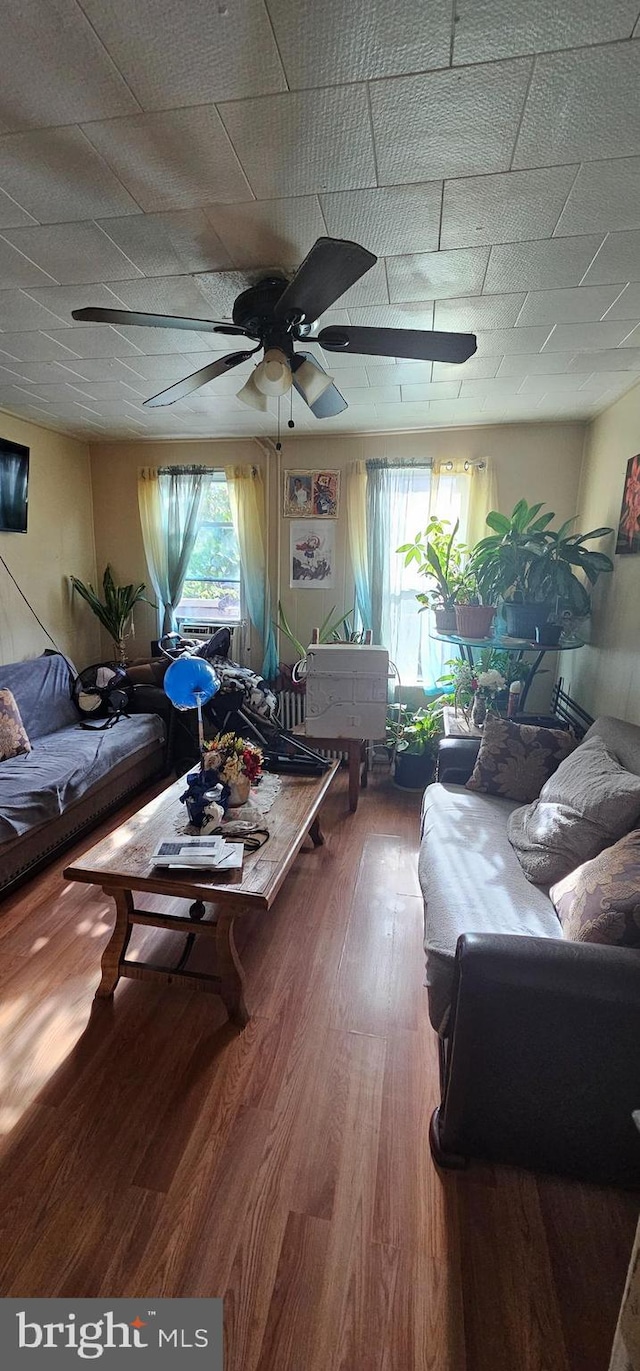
(149, 1148)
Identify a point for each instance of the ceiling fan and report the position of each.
(276, 314)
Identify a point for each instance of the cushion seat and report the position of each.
(471, 882)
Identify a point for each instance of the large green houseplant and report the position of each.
(415, 736)
(116, 610)
(440, 558)
(533, 568)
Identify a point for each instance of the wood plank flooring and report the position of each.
(149, 1148)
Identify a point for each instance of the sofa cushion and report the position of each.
(600, 901)
(471, 882)
(42, 690)
(65, 765)
(515, 760)
(587, 805)
(14, 740)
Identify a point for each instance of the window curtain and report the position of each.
(356, 498)
(247, 499)
(170, 501)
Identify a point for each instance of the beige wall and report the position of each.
(537, 461)
(58, 543)
(604, 676)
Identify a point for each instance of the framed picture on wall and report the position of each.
(629, 527)
(312, 555)
(311, 494)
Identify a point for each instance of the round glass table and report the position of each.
(517, 647)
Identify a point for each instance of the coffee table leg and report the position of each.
(315, 834)
(116, 947)
(355, 750)
(229, 969)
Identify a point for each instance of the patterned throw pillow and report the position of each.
(515, 760)
(600, 901)
(13, 735)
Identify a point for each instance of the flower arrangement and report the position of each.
(488, 684)
(232, 757)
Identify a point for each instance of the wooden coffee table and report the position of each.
(121, 864)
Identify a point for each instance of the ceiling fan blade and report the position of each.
(197, 379)
(129, 316)
(328, 404)
(420, 344)
(332, 265)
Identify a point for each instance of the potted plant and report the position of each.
(334, 629)
(416, 737)
(475, 609)
(440, 559)
(532, 568)
(115, 612)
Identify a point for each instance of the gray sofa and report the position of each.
(73, 775)
(539, 1037)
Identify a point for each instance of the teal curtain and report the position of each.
(170, 506)
(378, 543)
(248, 507)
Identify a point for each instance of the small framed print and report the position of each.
(298, 494)
(629, 526)
(325, 494)
(312, 555)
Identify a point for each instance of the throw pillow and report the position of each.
(13, 734)
(588, 804)
(600, 902)
(515, 760)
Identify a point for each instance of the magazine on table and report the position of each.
(210, 853)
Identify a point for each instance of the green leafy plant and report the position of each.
(440, 559)
(417, 731)
(115, 611)
(525, 562)
(334, 629)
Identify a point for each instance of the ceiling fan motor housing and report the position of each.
(254, 311)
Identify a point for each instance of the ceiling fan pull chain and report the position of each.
(278, 443)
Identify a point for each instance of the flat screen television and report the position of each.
(14, 485)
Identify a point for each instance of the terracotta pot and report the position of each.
(445, 620)
(239, 792)
(474, 621)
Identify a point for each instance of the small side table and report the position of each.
(356, 749)
(455, 725)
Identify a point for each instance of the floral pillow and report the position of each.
(515, 760)
(599, 902)
(13, 735)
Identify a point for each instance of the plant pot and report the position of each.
(474, 621)
(239, 792)
(414, 770)
(522, 620)
(548, 635)
(445, 620)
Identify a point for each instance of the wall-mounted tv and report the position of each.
(14, 483)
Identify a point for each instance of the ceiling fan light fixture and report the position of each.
(273, 374)
(250, 395)
(312, 381)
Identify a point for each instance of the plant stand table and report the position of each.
(516, 647)
(356, 750)
(121, 863)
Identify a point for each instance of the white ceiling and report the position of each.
(159, 156)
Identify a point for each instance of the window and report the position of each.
(212, 590)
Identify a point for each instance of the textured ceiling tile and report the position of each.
(373, 395)
(268, 233)
(539, 364)
(543, 385)
(56, 175)
(300, 145)
(17, 270)
(450, 123)
(43, 40)
(437, 275)
(77, 370)
(148, 369)
(99, 341)
(477, 368)
(391, 316)
(582, 106)
(189, 54)
(11, 214)
(371, 289)
(153, 342)
(437, 390)
(478, 312)
(598, 188)
(175, 160)
(388, 220)
(60, 300)
(558, 262)
(605, 383)
(73, 253)
(509, 208)
(627, 306)
(168, 244)
(507, 341)
(617, 260)
(582, 337)
(580, 305)
(335, 41)
(219, 291)
(19, 313)
(165, 294)
(488, 29)
(496, 385)
(13, 372)
(401, 374)
(35, 347)
(466, 410)
(620, 359)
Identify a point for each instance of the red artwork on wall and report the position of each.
(629, 526)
